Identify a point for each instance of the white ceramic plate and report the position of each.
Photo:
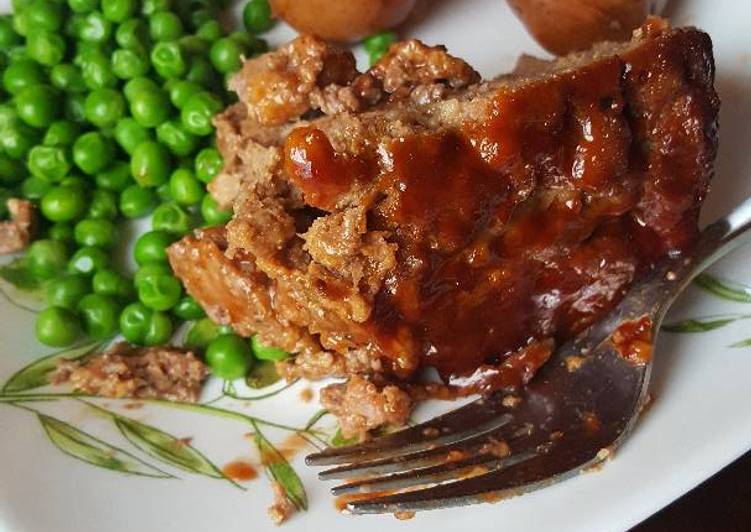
(698, 422)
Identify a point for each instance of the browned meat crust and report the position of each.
(126, 371)
(16, 233)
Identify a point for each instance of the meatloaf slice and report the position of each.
(431, 220)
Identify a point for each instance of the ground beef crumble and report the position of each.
(283, 508)
(16, 233)
(125, 371)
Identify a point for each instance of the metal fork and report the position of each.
(581, 405)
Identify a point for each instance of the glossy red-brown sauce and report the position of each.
(240, 471)
(523, 229)
(633, 340)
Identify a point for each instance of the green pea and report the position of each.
(257, 16)
(265, 352)
(111, 283)
(212, 214)
(203, 332)
(17, 141)
(38, 105)
(34, 188)
(95, 232)
(229, 357)
(57, 327)
(93, 152)
(98, 73)
(173, 135)
(210, 31)
(199, 17)
(171, 218)
(11, 171)
(160, 329)
(198, 112)
(116, 178)
(149, 7)
(46, 258)
(185, 188)
(61, 133)
(209, 163)
(22, 74)
(8, 116)
(49, 162)
(66, 291)
(83, 6)
(169, 60)
(104, 107)
(62, 232)
(100, 315)
(103, 205)
(132, 34)
(202, 73)
(63, 204)
(20, 23)
(17, 53)
(150, 164)
(67, 78)
(77, 182)
(129, 63)
(136, 202)
(8, 36)
(150, 107)
(193, 46)
(180, 92)
(226, 55)
(88, 261)
(378, 44)
(188, 309)
(44, 15)
(95, 28)
(153, 269)
(45, 47)
(160, 292)
(118, 10)
(129, 134)
(165, 26)
(74, 107)
(137, 85)
(152, 247)
(141, 325)
(163, 193)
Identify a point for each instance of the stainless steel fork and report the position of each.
(574, 413)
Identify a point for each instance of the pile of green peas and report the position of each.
(106, 111)
(378, 44)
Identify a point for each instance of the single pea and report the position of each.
(75, 105)
(18, 140)
(61, 133)
(148, 271)
(212, 214)
(160, 292)
(88, 261)
(149, 7)
(45, 47)
(95, 28)
(136, 201)
(160, 329)
(38, 105)
(49, 162)
(247, 41)
(257, 16)
(62, 232)
(89, 51)
(66, 291)
(11, 171)
(188, 309)
(118, 10)
(150, 107)
(63, 204)
(34, 188)
(379, 43)
(22, 74)
(173, 135)
(137, 85)
(152, 247)
(165, 26)
(44, 15)
(226, 55)
(150, 164)
(20, 23)
(202, 72)
(229, 357)
(185, 188)
(93, 152)
(83, 6)
(193, 46)
(208, 164)
(100, 315)
(116, 178)
(168, 59)
(265, 352)
(129, 134)
(210, 31)
(95, 232)
(8, 36)
(132, 33)
(198, 112)
(103, 205)
(202, 332)
(134, 322)
(57, 327)
(67, 78)
(129, 63)
(111, 283)
(171, 218)
(46, 258)
(163, 193)
(98, 73)
(104, 107)
(180, 92)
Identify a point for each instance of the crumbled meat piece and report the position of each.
(361, 406)
(16, 233)
(127, 371)
(283, 508)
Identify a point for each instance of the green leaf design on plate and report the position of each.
(166, 447)
(262, 375)
(742, 343)
(36, 374)
(21, 288)
(709, 323)
(278, 469)
(338, 440)
(17, 274)
(315, 418)
(94, 451)
(724, 289)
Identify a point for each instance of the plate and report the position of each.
(156, 466)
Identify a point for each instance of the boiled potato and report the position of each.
(343, 21)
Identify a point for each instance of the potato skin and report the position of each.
(343, 21)
(563, 26)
